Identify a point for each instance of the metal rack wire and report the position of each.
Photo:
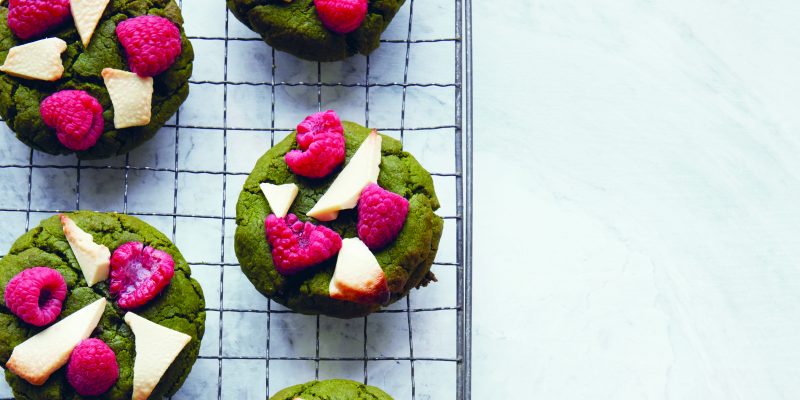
(462, 175)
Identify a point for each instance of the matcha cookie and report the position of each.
(111, 283)
(332, 389)
(99, 87)
(303, 247)
(318, 30)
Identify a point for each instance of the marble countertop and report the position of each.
(649, 153)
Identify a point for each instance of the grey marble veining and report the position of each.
(650, 152)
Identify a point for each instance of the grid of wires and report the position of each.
(462, 175)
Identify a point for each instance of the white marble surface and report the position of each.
(649, 153)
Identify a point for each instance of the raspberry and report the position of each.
(381, 215)
(321, 136)
(32, 18)
(152, 44)
(139, 273)
(321, 140)
(76, 116)
(36, 295)
(92, 368)
(341, 16)
(297, 245)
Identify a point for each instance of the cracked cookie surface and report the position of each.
(406, 262)
(295, 28)
(20, 98)
(332, 389)
(180, 306)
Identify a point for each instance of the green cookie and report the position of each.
(180, 306)
(333, 389)
(20, 98)
(294, 27)
(406, 262)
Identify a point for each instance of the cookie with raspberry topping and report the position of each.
(89, 372)
(405, 238)
(156, 46)
(318, 30)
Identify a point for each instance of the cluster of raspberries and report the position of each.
(152, 45)
(298, 245)
(36, 296)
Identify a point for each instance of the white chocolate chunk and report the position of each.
(93, 258)
(38, 357)
(86, 14)
(131, 95)
(345, 190)
(280, 197)
(156, 348)
(36, 60)
(358, 277)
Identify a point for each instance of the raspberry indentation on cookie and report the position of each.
(139, 273)
(320, 138)
(36, 295)
(32, 18)
(297, 245)
(341, 16)
(76, 116)
(92, 368)
(152, 44)
(381, 216)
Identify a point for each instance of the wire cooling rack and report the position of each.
(245, 96)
